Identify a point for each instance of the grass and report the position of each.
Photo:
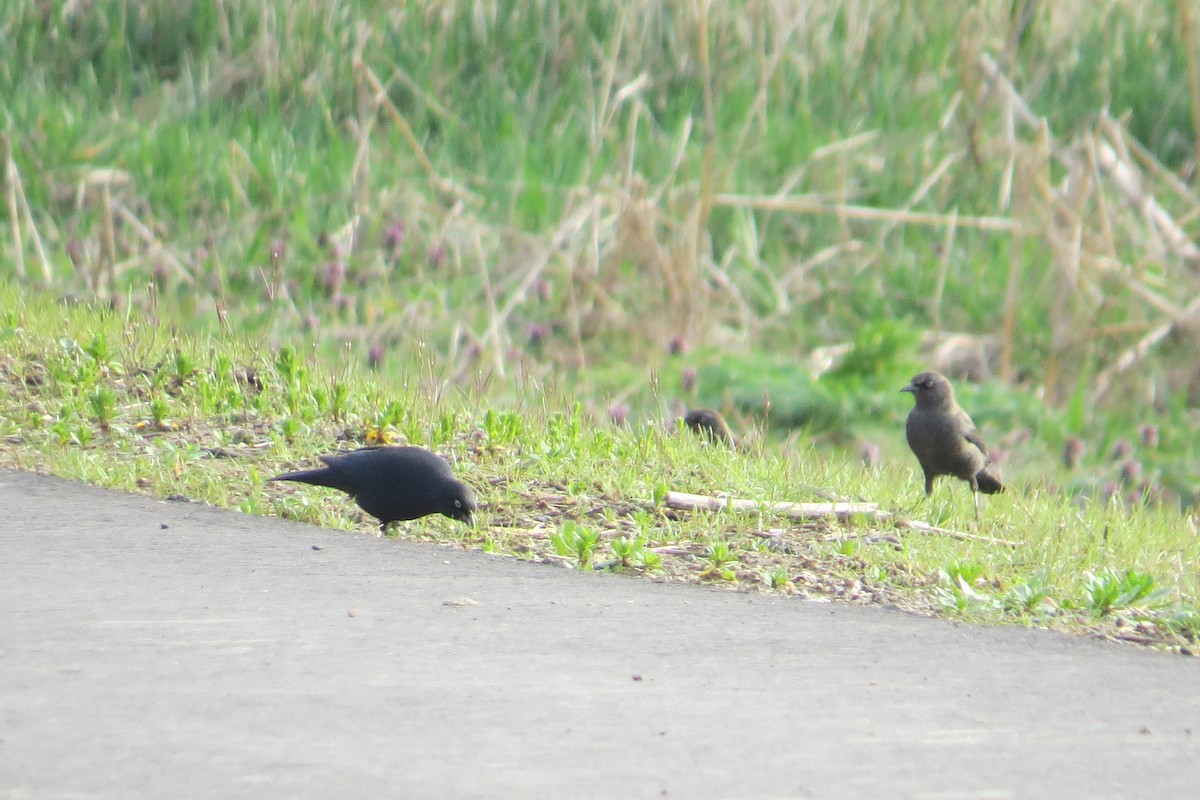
(557, 188)
(209, 420)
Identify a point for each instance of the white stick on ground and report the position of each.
(841, 509)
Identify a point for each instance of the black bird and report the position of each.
(944, 439)
(393, 483)
(711, 425)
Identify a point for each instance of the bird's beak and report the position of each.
(909, 388)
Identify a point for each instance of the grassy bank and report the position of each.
(543, 188)
(90, 395)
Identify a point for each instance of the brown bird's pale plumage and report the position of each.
(943, 437)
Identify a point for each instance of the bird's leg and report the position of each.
(923, 500)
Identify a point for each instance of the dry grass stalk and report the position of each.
(156, 246)
(804, 205)
(935, 311)
(18, 203)
(1083, 230)
(1142, 348)
(1187, 32)
(1115, 132)
(406, 131)
(1119, 170)
(925, 527)
(14, 214)
(108, 240)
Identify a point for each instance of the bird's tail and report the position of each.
(988, 482)
(316, 477)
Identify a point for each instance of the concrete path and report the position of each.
(154, 650)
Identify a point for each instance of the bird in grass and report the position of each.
(393, 484)
(944, 439)
(709, 424)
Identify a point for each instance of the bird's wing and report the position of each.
(972, 436)
(968, 428)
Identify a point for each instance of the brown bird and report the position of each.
(1073, 450)
(944, 439)
(709, 424)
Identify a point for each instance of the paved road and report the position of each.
(153, 649)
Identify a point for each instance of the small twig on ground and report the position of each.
(671, 550)
(703, 502)
(693, 502)
(925, 527)
(870, 538)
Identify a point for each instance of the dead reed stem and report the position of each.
(108, 240)
(406, 132)
(1187, 32)
(14, 214)
(802, 205)
(688, 271)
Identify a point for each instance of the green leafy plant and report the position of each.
(1109, 590)
(103, 402)
(846, 547)
(721, 561)
(959, 596)
(503, 428)
(289, 428)
(339, 397)
(626, 548)
(184, 365)
(1030, 596)
(779, 578)
(964, 571)
(577, 542)
(1183, 620)
(81, 435)
(158, 411)
(98, 349)
(648, 560)
(287, 364)
(631, 551)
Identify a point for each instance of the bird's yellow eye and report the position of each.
(458, 503)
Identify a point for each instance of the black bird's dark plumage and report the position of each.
(709, 424)
(943, 437)
(393, 484)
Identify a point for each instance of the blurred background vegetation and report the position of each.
(778, 208)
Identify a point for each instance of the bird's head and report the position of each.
(708, 424)
(931, 390)
(460, 503)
